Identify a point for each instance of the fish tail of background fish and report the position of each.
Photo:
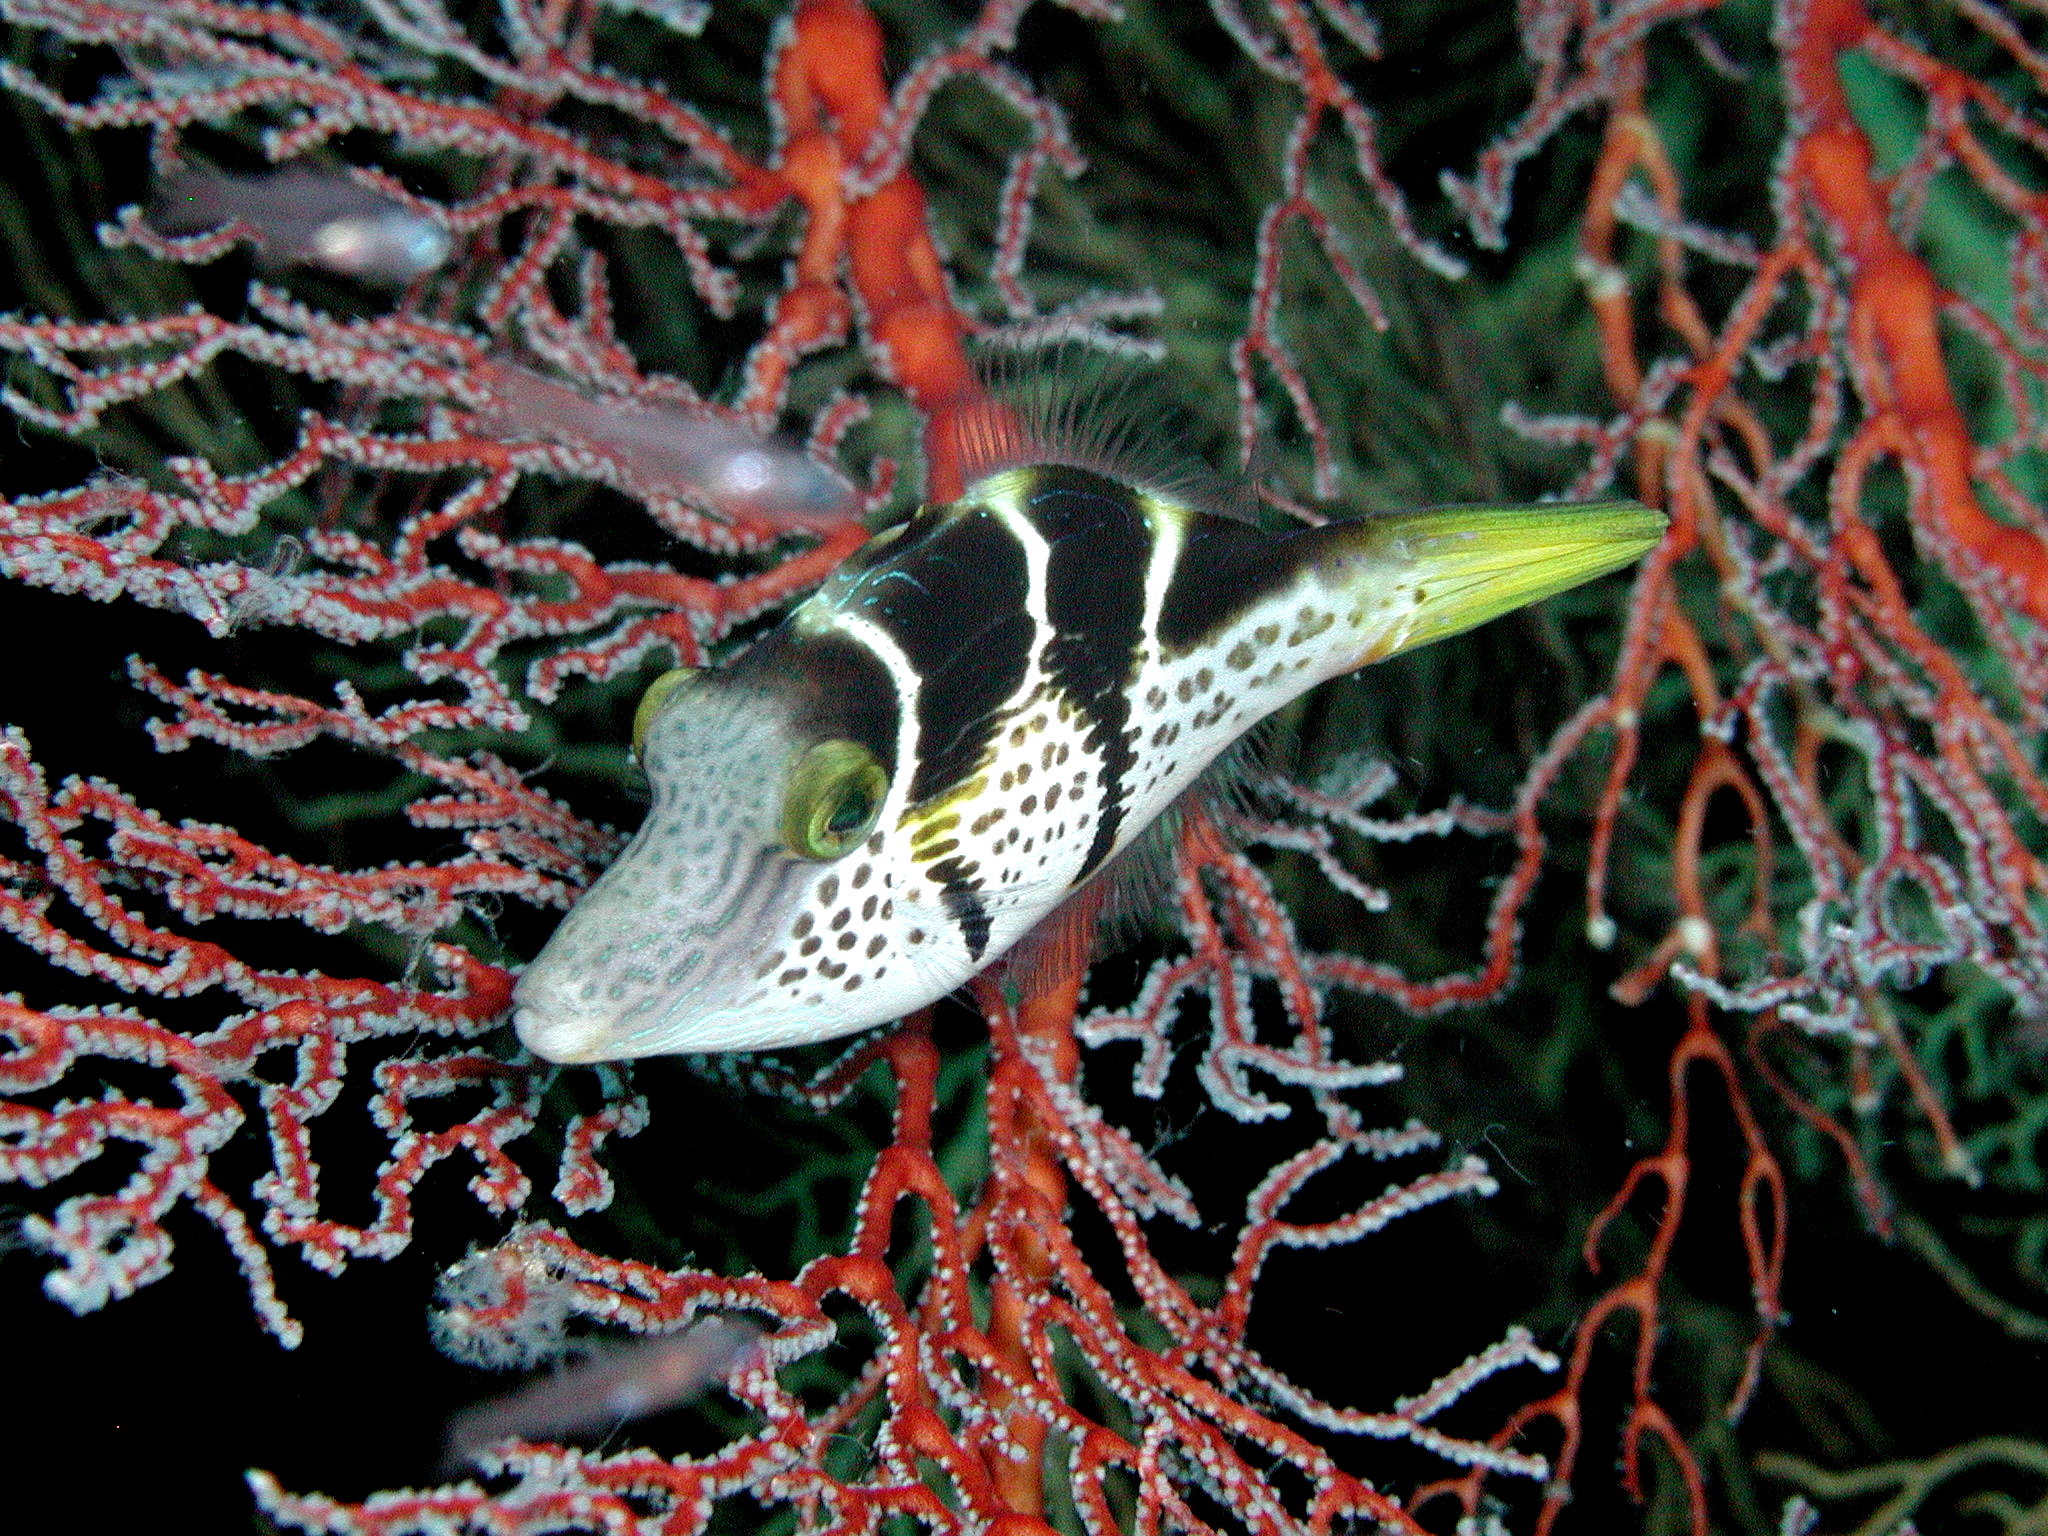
(616, 1384)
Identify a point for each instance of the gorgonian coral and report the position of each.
(416, 575)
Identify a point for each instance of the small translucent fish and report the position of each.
(619, 1383)
(664, 448)
(301, 216)
(965, 732)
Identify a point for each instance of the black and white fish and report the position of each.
(953, 739)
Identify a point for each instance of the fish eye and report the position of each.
(835, 795)
(658, 693)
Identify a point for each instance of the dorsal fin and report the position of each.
(1069, 405)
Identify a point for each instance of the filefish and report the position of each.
(302, 216)
(958, 739)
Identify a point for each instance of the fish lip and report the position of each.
(548, 1039)
(586, 1043)
(572, 1038)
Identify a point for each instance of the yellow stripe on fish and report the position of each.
(972, 718)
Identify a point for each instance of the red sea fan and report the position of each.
(398, 634)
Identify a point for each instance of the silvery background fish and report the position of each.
(303, 216)
(618, 1383)
(942, 748)
(667, 448)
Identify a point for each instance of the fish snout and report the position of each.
(565, 1019)
(565, 1040)
(595, 994)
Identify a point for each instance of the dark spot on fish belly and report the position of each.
(1308, 624)
(960, 895)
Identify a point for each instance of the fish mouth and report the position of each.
(568, 1042)
(571, 1040)
(573, 1037)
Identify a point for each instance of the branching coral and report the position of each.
(1809, 800)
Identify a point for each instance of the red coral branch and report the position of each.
(1778, 648)
(1009, 1360)
(1820, 621)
